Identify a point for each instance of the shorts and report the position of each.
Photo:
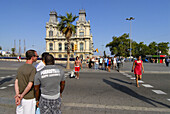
(27, 106)
(77, 68)
(50, 106)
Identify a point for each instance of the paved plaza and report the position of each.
(101, 92)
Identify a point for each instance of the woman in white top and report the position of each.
(96, 63)
(114, 62)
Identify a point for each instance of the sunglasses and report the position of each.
(36, 56)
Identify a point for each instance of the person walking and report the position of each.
(137, 66)
(41, 65)
(24, 98)
(100, 62)
(109, 62)
(114, 62)
(105, 62)
(167, 62)
(52, 81)
(96, 64)
(77, 66)
(118, 64)
(87, 62)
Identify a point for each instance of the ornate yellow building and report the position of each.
(56, 43)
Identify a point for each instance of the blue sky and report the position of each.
(26, 19)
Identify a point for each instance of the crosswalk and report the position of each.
(159, 92)
(2, 87)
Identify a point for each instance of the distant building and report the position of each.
(56, 43)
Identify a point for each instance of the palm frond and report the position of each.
(65, 24)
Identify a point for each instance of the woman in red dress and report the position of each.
(138, 64)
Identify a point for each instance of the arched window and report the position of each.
(72, 56)
(50, 46)
(60, 46)
(71, 46)
(81, 33)
(50, 33)
(65, 56)
(65, 46)
(60, 56)
(81, 46)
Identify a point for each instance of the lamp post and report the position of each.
(130, 19)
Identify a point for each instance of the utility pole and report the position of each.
(130, 19)
(19, 47)
(15, 46)
(24, 46)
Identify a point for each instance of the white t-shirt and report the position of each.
(101, 60)
(40, 66)
(96, 61)
(114, 60)
(105, 60)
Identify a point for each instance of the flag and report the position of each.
(97, 50)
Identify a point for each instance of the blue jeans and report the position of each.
(96, 66)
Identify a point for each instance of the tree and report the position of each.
(13, 51)
(120, 45)
(0, 48)
(163, 47)
(153, 47)
(67, 28)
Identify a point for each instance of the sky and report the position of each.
(26, 20)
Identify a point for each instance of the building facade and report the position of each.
(56, 43)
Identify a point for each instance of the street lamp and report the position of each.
(131, 18)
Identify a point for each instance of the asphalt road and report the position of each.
(100, 92)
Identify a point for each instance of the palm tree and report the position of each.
(67, 28)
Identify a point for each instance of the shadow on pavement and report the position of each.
(5, 80)
(130, 83)
(132, 93)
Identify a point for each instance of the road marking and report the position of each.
(140, 81)
(3, 87)
(67, 74)
(10, 85)
(13, 75)
(132, 78)
(168, 99)
(147, 85)
(159, 92)
(8, 76)
(129, 76)
(2, 77)
(116, 107)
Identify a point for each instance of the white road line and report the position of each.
(159, 92)
(8, 76)
(168, 99)
(13, 75)
(67, 74)
(3, 87)
(10, 85)
(116, 107)
(132, 78)
(129, 76)
(147, 85)
(140, 81)
(2, 77)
